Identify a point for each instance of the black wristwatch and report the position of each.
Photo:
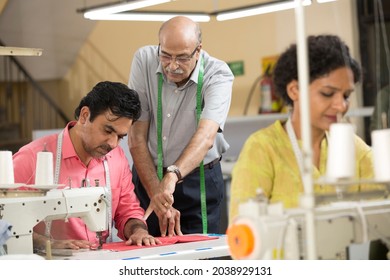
(176, 170)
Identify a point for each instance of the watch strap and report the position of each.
(176, 170)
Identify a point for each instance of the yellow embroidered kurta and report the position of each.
(267, 161)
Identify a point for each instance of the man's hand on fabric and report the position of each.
(72, 244)
(141, 237)
(170, 225)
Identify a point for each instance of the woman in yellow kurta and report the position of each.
(268, 159)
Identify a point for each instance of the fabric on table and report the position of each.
(121, 246)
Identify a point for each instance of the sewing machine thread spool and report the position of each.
(341, 151)
(6, 168)
(44, 169)
(381, 154)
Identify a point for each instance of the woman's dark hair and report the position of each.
(326, 54)
(116, 97)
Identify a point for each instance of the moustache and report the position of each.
(106, 148)
(176, 71)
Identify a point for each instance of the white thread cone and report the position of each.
(341, 151)
(6, 168)
(44, 169)
(381, 154)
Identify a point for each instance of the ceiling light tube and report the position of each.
(152, 16)
(325, 1)
(258, 9)
(124, 6)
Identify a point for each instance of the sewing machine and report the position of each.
(24, 209)
(344, 229)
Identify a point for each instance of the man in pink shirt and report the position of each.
(89, 151)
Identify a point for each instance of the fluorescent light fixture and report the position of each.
(152, 16)
(265, 8)
(119, 12)
(121, 7)
(325, 1)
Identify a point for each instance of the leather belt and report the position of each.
(209, 165)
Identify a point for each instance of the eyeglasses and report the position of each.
(183, 59)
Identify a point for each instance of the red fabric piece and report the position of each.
(121, 246)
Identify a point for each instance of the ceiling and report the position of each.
(57, 28)
(54, 26)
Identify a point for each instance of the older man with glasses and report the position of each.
(177, 143)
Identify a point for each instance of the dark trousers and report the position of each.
(187, 201)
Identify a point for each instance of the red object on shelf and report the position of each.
(269, 101)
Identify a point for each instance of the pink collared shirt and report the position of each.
(125, 204)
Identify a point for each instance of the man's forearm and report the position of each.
(198, 146)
